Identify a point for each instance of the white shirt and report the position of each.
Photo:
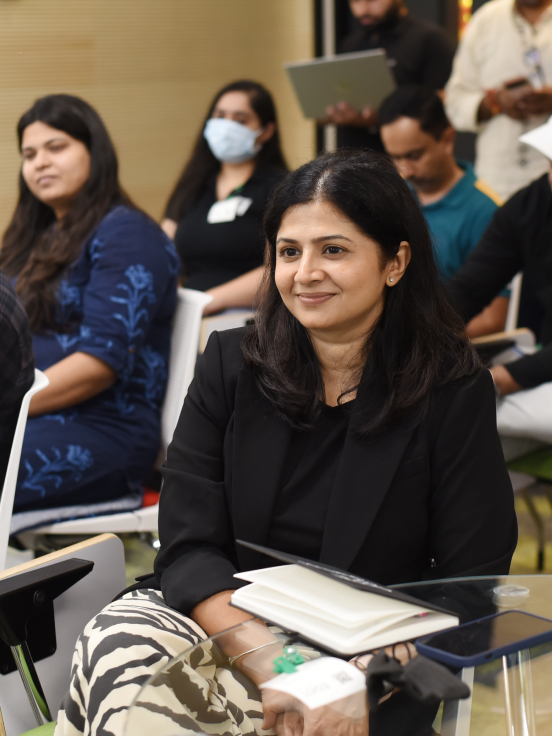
(491, 53)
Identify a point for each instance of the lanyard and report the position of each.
(531, 54)
(532, 59)
(237, 190)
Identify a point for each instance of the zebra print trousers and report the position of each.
(126, 643)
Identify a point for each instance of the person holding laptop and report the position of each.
(418, 53)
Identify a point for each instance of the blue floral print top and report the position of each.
(118, 301)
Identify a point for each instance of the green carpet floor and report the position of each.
(525, 556)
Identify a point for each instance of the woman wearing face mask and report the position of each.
(215, 211)
(98, 280)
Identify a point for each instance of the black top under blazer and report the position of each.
(425, 501)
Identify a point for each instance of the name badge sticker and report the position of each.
(224, 211)
(319, 682)
(244, 205)
(228, 209)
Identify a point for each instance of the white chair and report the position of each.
(10, 481)
(513, 305)
(73, 610)
(184, 349)
(523, 339)
(226, 321)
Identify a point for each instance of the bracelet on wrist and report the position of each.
(492, 103)
(255, 649)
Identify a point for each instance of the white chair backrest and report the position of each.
(225, 321)
(8, 491)
(184, 349)
(513, 306)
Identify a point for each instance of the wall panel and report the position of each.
(150, 67)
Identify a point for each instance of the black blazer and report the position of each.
(426, 501)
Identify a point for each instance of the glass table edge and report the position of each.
(472, 578)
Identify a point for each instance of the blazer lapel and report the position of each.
(261, 442)
(363, 477)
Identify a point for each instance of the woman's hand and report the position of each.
(347, 717)
(73, 380)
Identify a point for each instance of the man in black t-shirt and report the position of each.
(418, 53)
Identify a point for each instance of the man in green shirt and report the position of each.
(458, 207)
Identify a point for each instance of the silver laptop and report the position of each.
(362, 78)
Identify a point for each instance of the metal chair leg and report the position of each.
(32, 685)
(547, 488)
(27, 600)
(537, 518)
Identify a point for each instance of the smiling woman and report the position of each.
(352, 424)
(97, 278)
(334, 285)
(55, 167)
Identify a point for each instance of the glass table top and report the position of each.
(203, 692)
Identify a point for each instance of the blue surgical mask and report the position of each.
(231, 142)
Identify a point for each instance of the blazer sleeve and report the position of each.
(491, 265)
(473, 521)
(532, 370)
(194, 561)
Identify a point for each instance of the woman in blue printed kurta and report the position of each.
(114, 304)
(120, 295)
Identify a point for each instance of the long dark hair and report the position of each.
(202, 164)
(34, 249)
(416, 345)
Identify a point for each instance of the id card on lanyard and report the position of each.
(531, 54)
(535, 76)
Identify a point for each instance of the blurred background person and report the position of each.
(518, 239)
(16, 366)
(98, 280)
(418, 53)
(215, 211)
(500, 88)
(457, 206)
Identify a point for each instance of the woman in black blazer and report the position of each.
(351, 424)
